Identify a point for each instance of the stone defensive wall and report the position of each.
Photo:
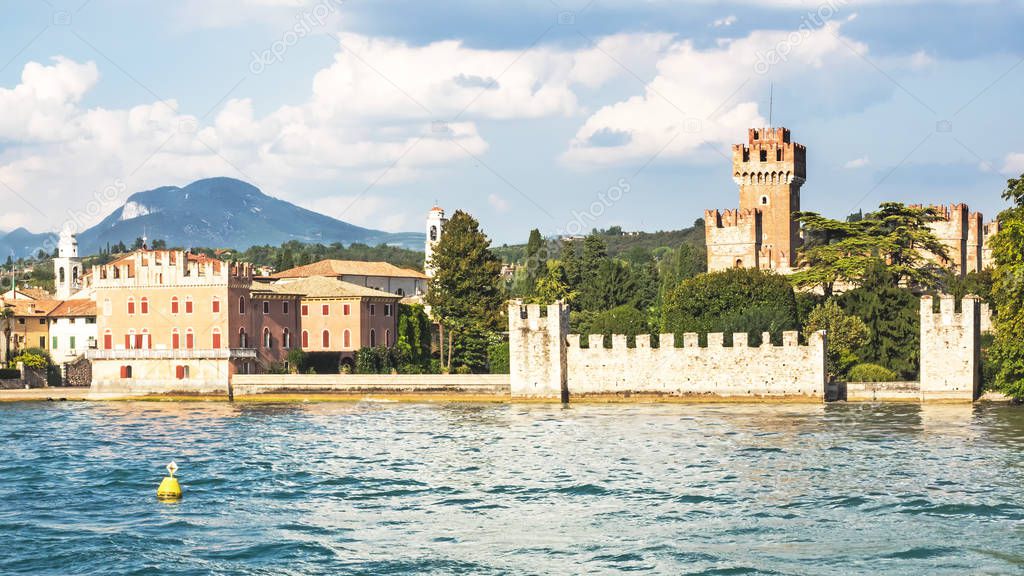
(547, 362)
(790, 370)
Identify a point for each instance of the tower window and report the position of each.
(764, 155)
(433, 233)
(764, 200)
(778, 154)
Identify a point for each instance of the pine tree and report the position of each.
(465, 293)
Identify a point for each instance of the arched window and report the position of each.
(739, 263)
(346, 339)
(266, 338)
(216, 338)
(126, 371)
(144, 305)
(188, 304)
(266, 307)
(131, 305)
(175, 339)
(387, 338)
(241, 304)
(108, 340)
(433, 233)
(61, 274)
(305, 339)
(243, 338)
(190, 339)
(74, 274)
(144, 340)
(174, 305)
(286, 339)
(326, 339)
(129, 340)
(764, 200)
(373, 338)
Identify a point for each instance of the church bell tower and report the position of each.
(67, 267)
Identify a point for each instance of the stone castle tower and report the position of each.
(435, 227)
(67, 267)
(769, 170)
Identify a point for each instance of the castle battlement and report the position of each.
(731, 218)
(950, 349)
(691, 340)
(144, 268)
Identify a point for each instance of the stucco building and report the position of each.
(171, 320)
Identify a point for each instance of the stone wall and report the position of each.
(496, 385)
(547, 362)
(950, 350)
(790, 370)
(78, 372)
(537, 350)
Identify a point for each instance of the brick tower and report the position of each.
(769, 170)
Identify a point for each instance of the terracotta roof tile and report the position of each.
(325, 287)
(76, 308)
(351, 268)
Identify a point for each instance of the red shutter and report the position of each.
(326, 309)
(216, 306)
(175, 341)
(131, 307)
(174, 306)
(326, 339)
(190, 340)
(145, 306)
(108, 341)
(188, 306)
(305, 339)
(138, 341)
(128, 341)
(216, 340)
(179, 372)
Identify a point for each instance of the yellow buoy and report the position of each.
(169, 488)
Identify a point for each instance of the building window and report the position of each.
(107, 309)
(241, 304)
(373, 309)
(346, 309)
(216, 305)
(216, 338)
(400, 292)
(175, 339)
(305, 339)
(764, 155)
(53, 343)
(108, 340)
(286, 339)
(325, 309)
(305, 310)
(326, 339)
(373, 338)
(778, 154)
(188, 304)
(144, 305)
(387, 309)
(73, 347)
(284, 307)
(131, 305)
(42, 321)
(126, 371)
(174, 305)
(190, 339)
(266, 307)
(764, 200)
(181, 372)
(433, 233)
(266, 338)
(387, 338)
(347, 339)
(243, 338)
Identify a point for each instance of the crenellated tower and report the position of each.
(769, 169)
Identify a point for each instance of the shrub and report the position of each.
(498, 357)
(32, 360)
(463, 370)
(846, 336)
(872, 373)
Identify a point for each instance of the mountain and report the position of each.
(21, 243)
(226, 213)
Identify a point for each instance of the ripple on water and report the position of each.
(526, 489)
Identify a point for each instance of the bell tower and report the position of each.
(435, 227)
(770, 169)
(67, 267)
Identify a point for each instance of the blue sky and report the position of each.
(527, 114)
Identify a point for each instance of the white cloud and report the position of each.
(857, 163)
(710, 96)
(382, 112)
(498, 203)
(724, 22)
(1013, 164)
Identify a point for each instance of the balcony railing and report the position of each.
(175, 354)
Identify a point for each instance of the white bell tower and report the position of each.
(67, 267)
(435, 227)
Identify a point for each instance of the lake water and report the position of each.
(381, 488)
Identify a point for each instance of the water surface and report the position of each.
(381, 488)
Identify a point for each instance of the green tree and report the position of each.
(595, 252)
(892, 314)
(842, 251)
(413, 337)
(735, 300)
(465, 293)
(554, 286)
(847, 335)
(1007, 352)
(6, 320)
(536, 259)
(610, 284)
(573, 264)
(623, 319)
